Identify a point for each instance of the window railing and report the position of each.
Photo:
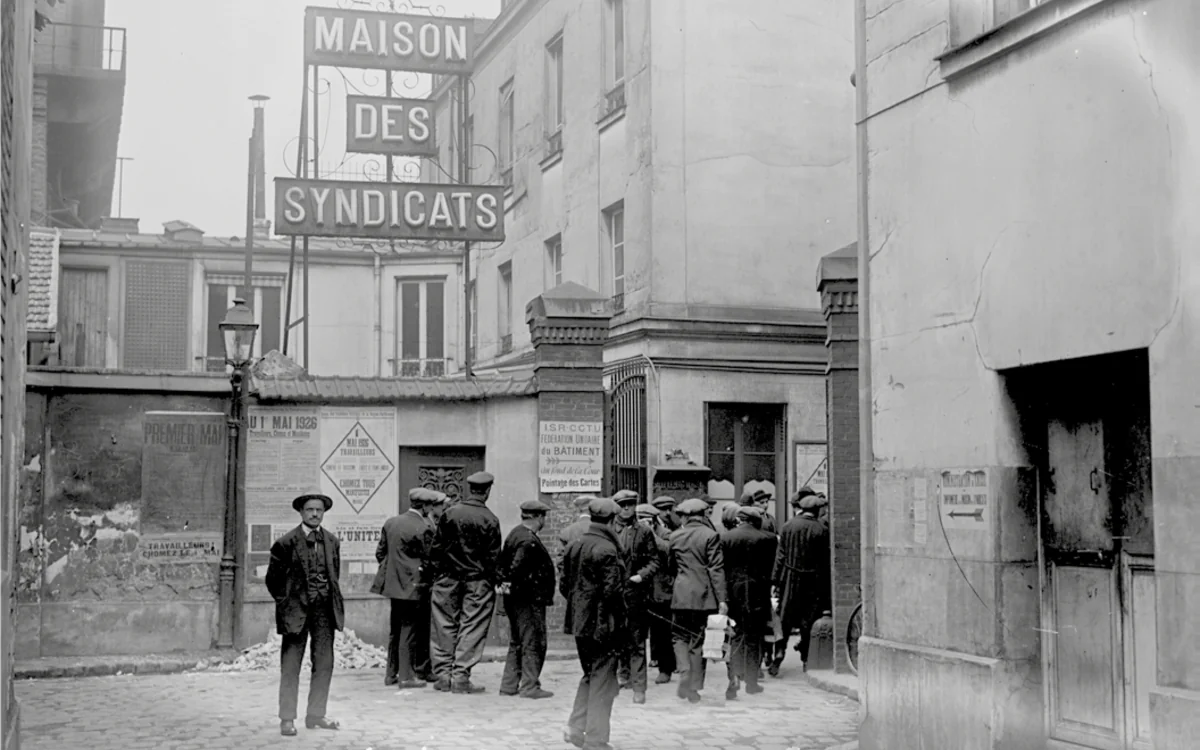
(506, 343)
(554, 143)
(68, 46)
(618, 301)
(614, 100)
(419, 368)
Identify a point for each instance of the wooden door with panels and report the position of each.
(1098, 609)
(444, 469)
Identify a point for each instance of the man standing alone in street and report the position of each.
(640, 555)
(593, 583)
(528, 575)
(465, 557)
(302, 577)
(698, 567)
(801, 574)
(401, 552)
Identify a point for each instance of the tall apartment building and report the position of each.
(692, 162)
(1033, 315)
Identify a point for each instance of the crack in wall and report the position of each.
(909, 40)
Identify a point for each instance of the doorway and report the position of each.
(1092, 432)
(444, 469)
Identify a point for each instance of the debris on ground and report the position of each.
(349, 652)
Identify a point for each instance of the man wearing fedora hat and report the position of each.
(302, 577)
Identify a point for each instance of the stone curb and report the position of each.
(142, 666)
(831, 687)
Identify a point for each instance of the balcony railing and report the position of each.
(419, 368)
(618, 301)
(614, 100)
(554, 143)
(66, 47)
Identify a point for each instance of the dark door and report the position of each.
(444, 469)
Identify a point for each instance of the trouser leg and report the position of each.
(639, 631)
(321, 629)
(406, 625)
(421, 635)
(510, 682)
(688, 633)
(446, 603)
(603, 689)
(393, 649)
(533, 647)
(577, 723)
(478, 606)
(290, 659)
(661, 647)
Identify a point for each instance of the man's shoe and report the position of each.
(287, 728)
(537, 694)
(389, 681)
(663, 678)
(467, 688)
(693, 696)
(575, 739)
(508, 693)
(410, 685)
(731, 693)
(773, 670)
(428, 677)
(639, 697)
(321, 723)
(682, 691)
(754, 689)
(442, 686)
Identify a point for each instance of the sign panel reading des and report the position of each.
(389, 211)
(386, 125)
(570, 456)
(388, 41)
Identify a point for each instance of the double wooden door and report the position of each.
(444, 469)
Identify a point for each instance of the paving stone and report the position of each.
(207, 710)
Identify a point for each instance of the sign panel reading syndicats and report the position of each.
(383, 210)
(347, 38)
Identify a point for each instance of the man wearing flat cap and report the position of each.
(662, 650)
(401, 552)
(801, 573)
(749, 554)
(640, 554)
(527, 572)
(465, 558)
(761, 499)
(302, 577)
(666, 507)
(575, 529)
(699, 571)
(593, 583)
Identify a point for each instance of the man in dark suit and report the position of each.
(465, 558)
(303, 579)
(699, 571)
(801, 573)
(640, 553)
(528, 575)
(401, 552)
(593, 583)
(749, 554)
(662, 651)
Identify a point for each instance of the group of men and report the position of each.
(632, 575)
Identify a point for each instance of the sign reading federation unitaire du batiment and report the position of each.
(346, 38)
(389, 210)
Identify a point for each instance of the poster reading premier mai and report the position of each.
(348, 454)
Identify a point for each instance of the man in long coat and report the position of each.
(465, 557)
(801, 574)
(302, 577)
(433, 510)
(640, 553)
(749, 554)
(698, 567)
(593, 583)
(528, 584)
(401, 552)
(662, 650)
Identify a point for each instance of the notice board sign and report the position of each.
(963, 499)
(570, 456)
(183, 486)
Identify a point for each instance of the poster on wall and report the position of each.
(570, 456)
(184, 460)
(963, 499)
(811, 467)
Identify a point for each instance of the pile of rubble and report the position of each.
(348, 653)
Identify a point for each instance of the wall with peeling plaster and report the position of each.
(1038, 208)
(82, 588)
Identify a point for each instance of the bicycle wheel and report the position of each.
(853, 631)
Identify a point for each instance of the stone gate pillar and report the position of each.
(837, 281)
(568, 326)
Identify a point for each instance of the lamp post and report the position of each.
(238, 330)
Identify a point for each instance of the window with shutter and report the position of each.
(156, 316)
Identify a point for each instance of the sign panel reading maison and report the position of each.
(397, 210)
(388, 41)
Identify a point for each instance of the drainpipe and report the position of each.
(866, 447)
(378, 318)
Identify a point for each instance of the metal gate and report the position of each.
(625, 431)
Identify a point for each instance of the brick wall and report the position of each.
(839, 295)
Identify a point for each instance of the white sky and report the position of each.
(187, 119)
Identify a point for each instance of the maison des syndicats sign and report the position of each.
(389, 210)
(347, 38)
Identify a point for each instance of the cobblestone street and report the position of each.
(206, 711)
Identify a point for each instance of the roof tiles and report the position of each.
(41, 315)
(375, 390)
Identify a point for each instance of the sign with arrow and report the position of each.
(963, 499)
(570, 456)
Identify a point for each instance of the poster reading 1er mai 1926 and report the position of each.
(348, 454)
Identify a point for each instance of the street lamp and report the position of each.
(238, 330)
